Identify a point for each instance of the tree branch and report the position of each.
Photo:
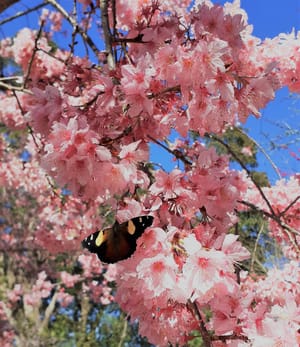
(176, 154)
(75, 26)
(7, 86)
(33, 54)
(289, 206)
(20, 14)
(48, 312)
(263, 151)
(123, 334)
(207, 340)
(244, 167)
(4, 4)
(272, 216)
(255, 248)
(107, 34)
(289, 231)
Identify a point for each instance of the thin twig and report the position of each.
(263, 151)
(207, 341)
(51, 55)
(48, 312)
(10, 78)
(175, 89)
(86, 38)
(107, 34)
(255, 247)
(230, 337)
(289, 206)
(14, 88)
(31, 132)
(176, 154)
(245, 168)
(74, 33)
(114, 15)
(20, 14)
(123, 334)
(39, 34)
(137, 39)
(288, 230)
(270, 215)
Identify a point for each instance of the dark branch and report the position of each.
(244, 167)
(107, 34)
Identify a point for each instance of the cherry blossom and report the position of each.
(87, 127)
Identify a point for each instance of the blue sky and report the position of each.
(269, 18)
(280, 119)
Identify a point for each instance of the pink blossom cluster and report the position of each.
(10, 113)
(99, 290)
(285, 48)
(266, 311)
(55, 19)
(200, 70)
(16, 174)
(202, 80)
(285, 201)
(273, 313)
(20, 49)
(41, 289)
(62, 227)
(7, 334)
(207, 186)
(182, 263)
(168, 270)
(29, 296)
(68, 279)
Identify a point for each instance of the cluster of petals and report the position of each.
(170, 269)
(7, 334)
(10, 113)
(29, 176)
(271, 317)
(21, 48)
(284, 199)
(41, 289)
(203, 83)
(75, 159)
(62, 227)
(100, 289)
(202, 71)
(207, 187)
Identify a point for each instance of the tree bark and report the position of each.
(4, 4)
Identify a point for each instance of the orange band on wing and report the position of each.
(100, 239)
(131, 227)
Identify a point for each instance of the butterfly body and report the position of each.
(118, 242)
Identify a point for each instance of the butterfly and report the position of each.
(119, 241)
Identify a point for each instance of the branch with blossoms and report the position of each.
(177, 154)
(165, 70)
(207, 338)
(76, 27)
(277, 217)
(111, 59)
(235, 156)
(35, 49)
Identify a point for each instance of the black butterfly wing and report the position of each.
(136, 226)
(95, 241)
(118, 242)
